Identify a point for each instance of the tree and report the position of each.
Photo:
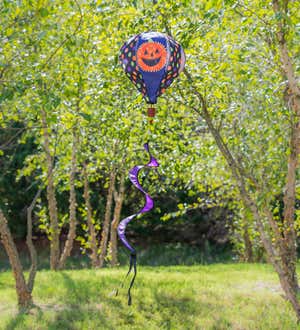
(23, 289)
(257, 192)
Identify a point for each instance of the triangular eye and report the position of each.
(146, 52)
(157, 51)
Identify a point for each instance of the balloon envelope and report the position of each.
(152, 60)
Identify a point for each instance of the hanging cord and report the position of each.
(132, 265)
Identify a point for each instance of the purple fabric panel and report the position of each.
(121, 232)
(134, 177)
(149, 203)
(153, 162)
(146, 146)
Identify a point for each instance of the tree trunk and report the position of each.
(248, 244)
(107, 218)
(119, 197)
(72, 207)
(31, 248)
(92, 231)
(23, 294)
(293, 103)
(52, 204)
(290, 235)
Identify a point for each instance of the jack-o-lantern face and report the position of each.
(151, 56)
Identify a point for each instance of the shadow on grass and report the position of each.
(21, 316)
(181, 309)
(75, 311)
(5, 286)
(18, 319)
(166, 254)
(172, 306)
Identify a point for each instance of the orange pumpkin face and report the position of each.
(151, 56)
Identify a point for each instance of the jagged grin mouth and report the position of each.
(150, 62)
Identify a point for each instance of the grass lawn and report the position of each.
(218, 296)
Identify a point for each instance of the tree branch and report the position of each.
(48, 60)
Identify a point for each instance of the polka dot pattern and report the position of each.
(173, 69)
(128, 61)
(175, 64)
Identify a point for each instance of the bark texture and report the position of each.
(52, 204)
(31, 248)
(72, 206)
(91, 226)
(248, 245)
(23, 293)
(293, 104)
(107, 218)
(118, 197)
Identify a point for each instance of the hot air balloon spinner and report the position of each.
(151, 60)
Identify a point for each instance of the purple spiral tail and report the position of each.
(149, 204)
